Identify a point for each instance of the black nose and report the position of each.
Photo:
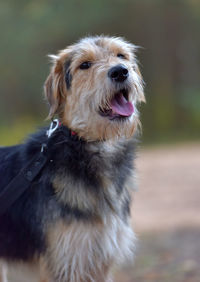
(118, 73)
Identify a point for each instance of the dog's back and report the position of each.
(10, 164)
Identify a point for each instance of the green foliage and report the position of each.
(168, 31)
(16, 131)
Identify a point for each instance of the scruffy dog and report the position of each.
(73, 220)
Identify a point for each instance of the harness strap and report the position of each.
(20, 183)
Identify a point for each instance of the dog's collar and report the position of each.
(55, 124)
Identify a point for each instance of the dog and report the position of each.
(73, 221)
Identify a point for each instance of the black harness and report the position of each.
(27, 174)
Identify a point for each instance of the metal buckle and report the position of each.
(53, 126)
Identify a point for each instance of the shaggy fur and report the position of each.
(74, 220)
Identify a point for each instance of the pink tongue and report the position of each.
(121, 106)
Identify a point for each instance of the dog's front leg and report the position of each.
(73, 254)
(43, 271)
(65, 273)
(69, 265)
(3, 272)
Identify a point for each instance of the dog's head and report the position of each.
(94, 86)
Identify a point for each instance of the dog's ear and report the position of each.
(53, 87)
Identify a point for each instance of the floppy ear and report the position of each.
(53, 87)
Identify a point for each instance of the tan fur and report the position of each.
(43, 271)
(75, 197)
(81, 251)
(3, 272)
(78, 107)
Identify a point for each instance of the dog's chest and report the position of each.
(89, 246)
(94, 182)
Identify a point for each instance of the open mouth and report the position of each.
(119, 107)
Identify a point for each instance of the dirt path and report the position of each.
(169, 188)
(166, 216)
(172, 256)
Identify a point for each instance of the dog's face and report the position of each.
(94, 87)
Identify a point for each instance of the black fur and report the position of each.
(23, 226)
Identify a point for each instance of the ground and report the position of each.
(166, 217)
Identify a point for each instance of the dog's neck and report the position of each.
(107, 144)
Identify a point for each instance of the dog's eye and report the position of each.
(85, 65)
(121, 56)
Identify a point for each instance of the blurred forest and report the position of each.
(167, 209)
(167, 31)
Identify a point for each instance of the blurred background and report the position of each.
(166, 209)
